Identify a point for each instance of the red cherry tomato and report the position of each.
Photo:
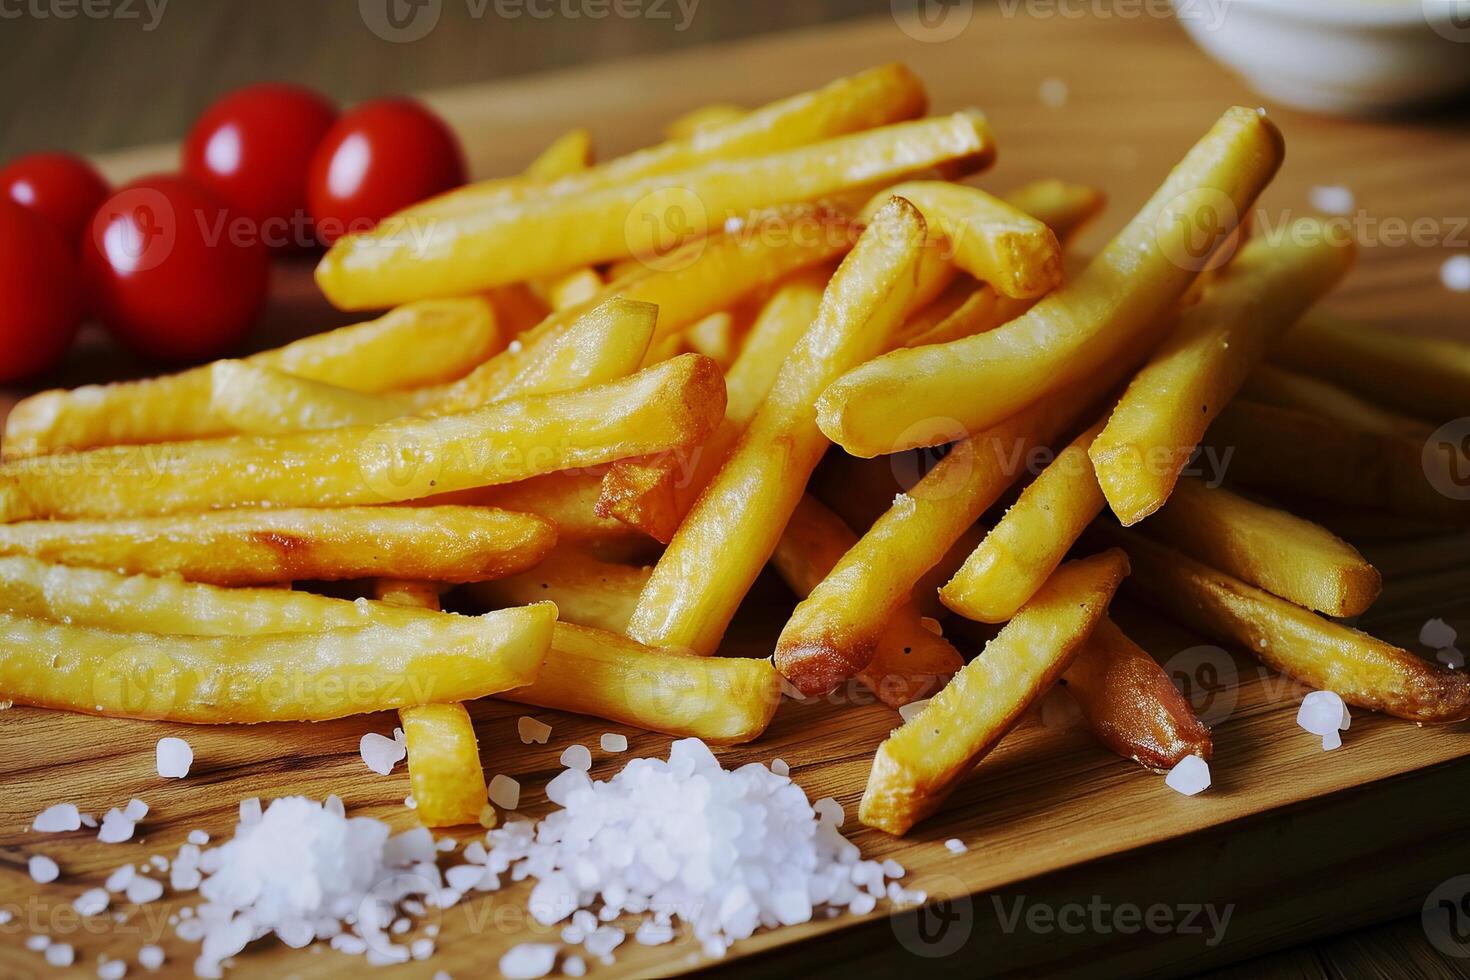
(62, 188)
(172, 272)
(253, 147)
(380, 157)
(42, 302)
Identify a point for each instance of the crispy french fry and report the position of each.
(569, 153)
(587, 590)
(724, 700)
(1063, 206)
(1158, 422)
(260, 400)
(255, 547)
(1272, 385)
(1364, 671)
(727, 538)
(717, 337)
(990, 239)
(705, 117)
(1269, 548)
(980, 380)
(912, 660)
(1424, 377)
(672, 404)
(568, 500)
(271, 677)
(919, 765)
(403, 259)
(1025, 546)
(417, 344)
(574, 288)
(1130, 703)
(604, 344)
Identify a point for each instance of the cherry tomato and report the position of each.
(172, 272)
(41, 308)
(253, 148)
(62, 188)
(380, 157)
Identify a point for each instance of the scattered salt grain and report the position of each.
(577, 757)
(43, 869)
(1191, 776)
(613, 742)
(250, 810)
(1451, 658)
(198, 838)
(1053, 93)
(829, 811)
(57, 819)
(141, 891)
(955, 846)
(574, 966)
(465, 877)
(111, 969)
(410, 802)
(911, 710)
(532, 730)
(653, 933)
(159, 862)
(61, 954)
(89, 821)
(136, 810)
(1332, 199)
(1323, 713)
(381, 753)
(174, 757)
(150, 957)
(528, 961)
(1455, 273)
(1437, 634)
(5, 916)
(780, 768)
(37, 943)
(505, 792)
(118, 880)
(116, 827)
(93, 901)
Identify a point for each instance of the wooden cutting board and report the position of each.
(1069, 847)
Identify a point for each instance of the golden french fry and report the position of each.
(1363, 670)
(255, 547)
(574, 288)
(568, 500)
(569, 153)
(702, 118)
(990, 239)
(1063, 206)
(604, 344)
(652, 217)
(270, 677)
(1025, 546)
(417, 344)
(728, 536)
(1158, 422)
(717, 337)
(980, 380)
(719, 699)
(263, 401)
(1425, 377)
(672, 404)
(919, 765)
(1271, 549)
(912, 659)
(1130, 703)
(587, 590)
(1272, 385)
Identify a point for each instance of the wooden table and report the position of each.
(1306, 844)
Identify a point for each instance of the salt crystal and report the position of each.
(613, 742)
(651, 933)
(61, 954)
(911, 710)
(93, 901)
(381, 753)
(141, 891)
(43, 869)
(150, 957)
(116, 827)
(532, 730)
(1435, 634)
(410, 802)
(955, 846)
(830, 811)
(862, 904)
(159, 862)
(421, 949)
(528, 961)
(5, 916)
(442, 975)
(1332, 199)
(1324, 714)
(574, 966)
(780, 768)
(198, 838)
(1053, 93)
(1455, 273)
(89, 821)
(505, 792)
(112, 969)
(136, 810)
(57, 819)
(577, 757)
(332, 804)
(37, 943)
(118, 880)
(174, 757)
(893, 869)
(1451, 658)
(474, 852)
(250, 810)
(465, 877)
(1191, 776)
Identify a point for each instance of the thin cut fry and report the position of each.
(260, 400)
(729, 535)
(256, 547)
(1197, 370)
(587, 590)
(569, 153)
(568, 500)
(417, 344)
(980, 380)
(672, 404)
(919, 765)
(574, 288)
(702, 118)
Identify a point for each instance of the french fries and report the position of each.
(671, 404)
(1131, 704)
(270, 677)
(727, 538)
(587, 590)
(911, 659)
(702, 118)
(568, 500)
(1269, 548)
(417, 344)
(919, 765)
(257, 547)
(1364, 671)
(1272, 385)
(445, 255)
(880, 407)
(569, 153)
(1197, 370)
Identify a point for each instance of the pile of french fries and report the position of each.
(606, 396)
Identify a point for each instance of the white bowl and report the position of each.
(1340, 56)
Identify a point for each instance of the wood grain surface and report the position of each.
(1297, 843)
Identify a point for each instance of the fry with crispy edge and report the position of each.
(263, 401)
(416, 344)
(444, 770)
(733, 528)
(1364, 671)
(1269, 548)
(587, 590)
(449, 255)
(568, 500)
(1158, 422)
(911, 661)
(675, 403)
(260, 546)
(1130, 703)
(919, 765)
(980, 380)
(313, 676)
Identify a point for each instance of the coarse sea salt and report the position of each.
(173, 757)
(955, 846)
(382, 753)
(116, 827)
(1191, 776)
(1332, 199)
(1437, 634)
(577, 757)
(1455, 273)
(151, 957)
(911, 710)
(505, 792)
(530, 730)
(613, 742)
(528, 961)
(57, 819)
(1324, 714)
(43, 870)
